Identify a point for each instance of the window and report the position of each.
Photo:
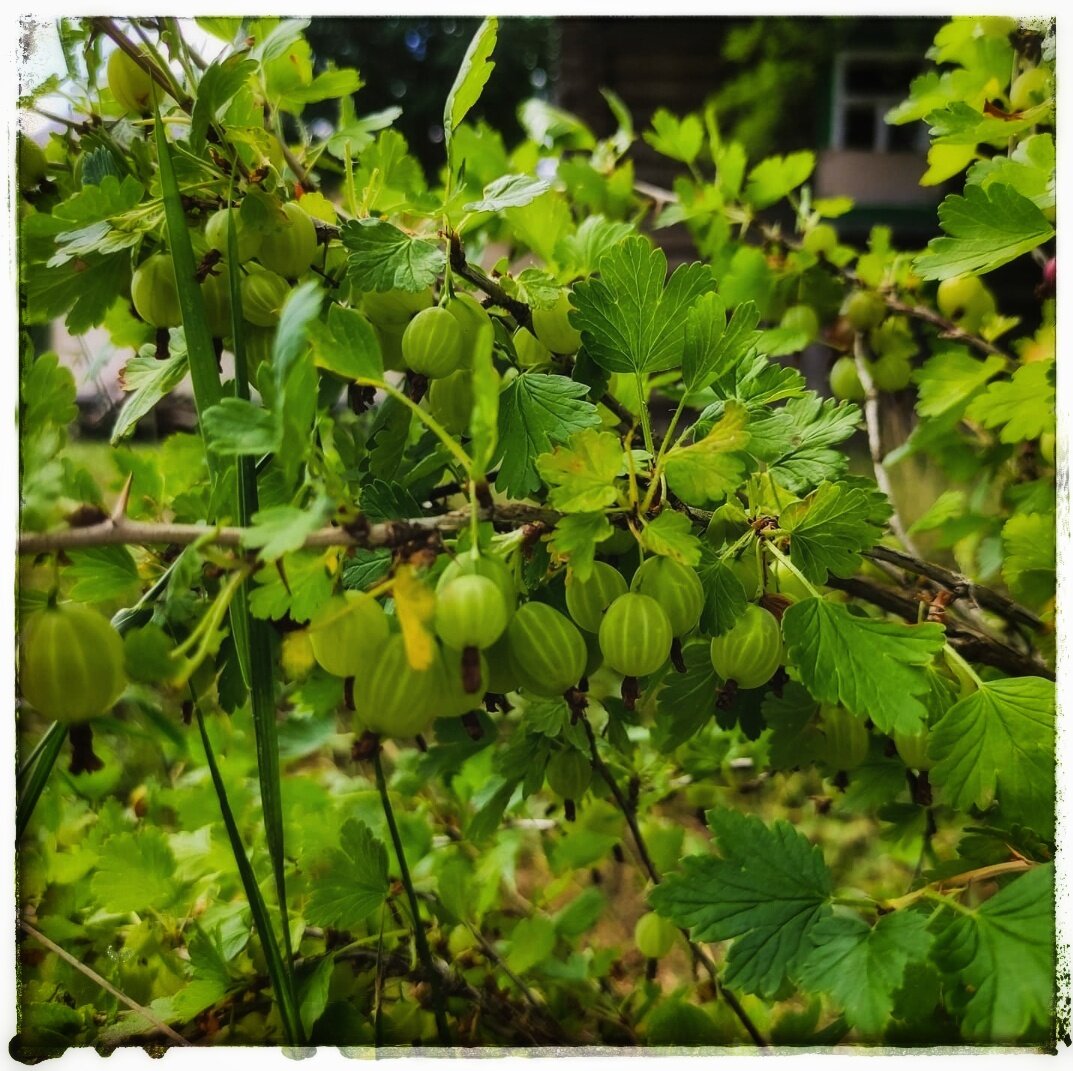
(866, 86)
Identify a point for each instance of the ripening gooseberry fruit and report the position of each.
(216, 294)
(155, 293)
(751, 651)
(471, 316)
(587, 600)
(965, 300)
(395, 308)
(546, 649)
(398, 700)
(635, 635)
(482, 565)
(891, 372)
(654, 935)
(248, 240)
(501, 675)
(846, 737)
(432, 343)
(288, 250)
(470, 612)
(259, 343)
(845, 382)
(787, 582)
(1029, 88)
(747, 570)
(1046, 447)
(70, 663)
(450, 400)
(569, 773)
(32, 162)
(913, 749)
(676, 587)
(347, 634)
(820, 240)
(263, 295)
(801, 318)
(130, 85)
(553, 327)
(462, 683)
(864, 310)
(530, 351)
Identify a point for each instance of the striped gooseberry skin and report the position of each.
(263, 294)
(246, 238)
(470, 612)
(348, 633)
(654, 935)
(553, 327)
(70, 663)
(482, 565)
(588, 599)
(289, 250)
(751, 651)
(913, 749)
(155, 293)
(432, 343)
(394, 308)
(846, 738)
(546, 649)
(452, 700)
(635, 635)
(676, 587)
(450, 401)
(569, 773)
(396, 699)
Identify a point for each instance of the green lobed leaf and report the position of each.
(999, 742)
(353, 881)
(829, 529)
(1030, 547)
(985, 229)
(672, 536)
(863, 966)
(382, 257)
(713, 346)
(238, 428)
(135, 872)
(708, 470)
(575, 539)
(280, 530)
(536, 412)
(147, 380)
(1022, 406)
(680, 139)
(724, 595)
(766, 893)
(873, 667)
(346, 345)
(219, 83)
(509, 191)
(628, 321)
(101, 574)
(686, 701)
(794, 740)
(772, 179)
(1003, 955)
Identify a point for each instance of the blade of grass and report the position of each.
(205, 376)
(251, 634)
(35, 774)
(281, 977)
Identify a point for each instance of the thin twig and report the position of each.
(107, 986)
(646, 861)
(972, 646)
(960, 586)
(123, 531)
(420, 940)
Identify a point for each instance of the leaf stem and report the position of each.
(793, 568)
(426, 418)
(646, 420)
(420, 940)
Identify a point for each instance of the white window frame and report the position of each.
(841, 101)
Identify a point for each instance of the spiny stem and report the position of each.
(958, 882)
(419, 931)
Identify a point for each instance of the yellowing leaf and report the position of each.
(582, 475)
(415, 606)
(708, 470)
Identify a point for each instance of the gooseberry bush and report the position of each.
(517, 650)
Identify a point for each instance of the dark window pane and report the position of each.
(860, 127)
